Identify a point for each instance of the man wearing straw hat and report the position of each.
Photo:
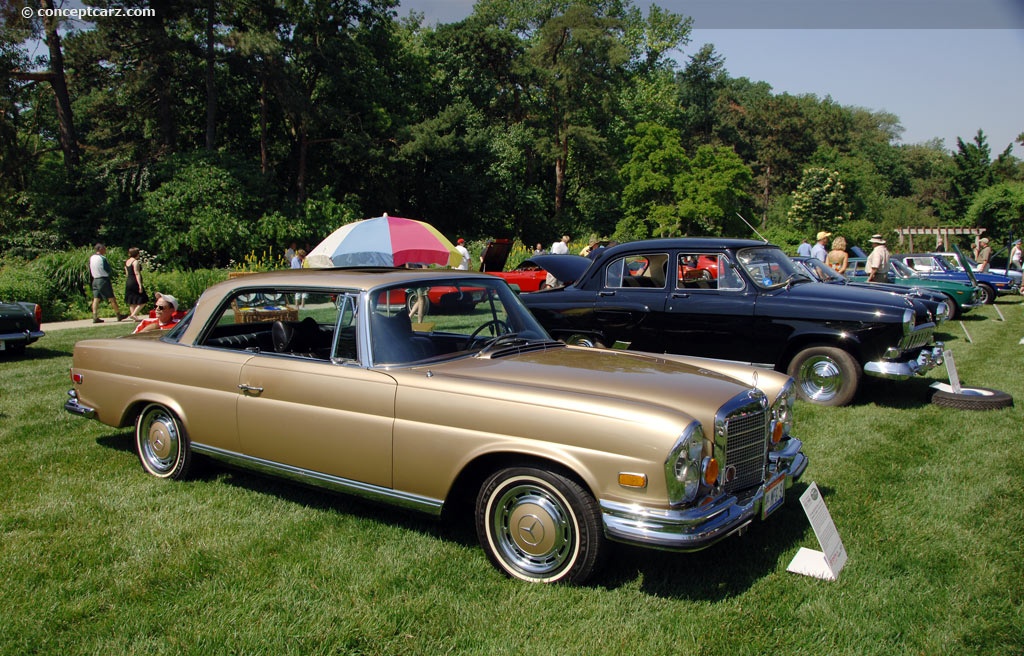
(877, 264)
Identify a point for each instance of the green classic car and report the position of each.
(962, 296)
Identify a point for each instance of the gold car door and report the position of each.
(320, 416)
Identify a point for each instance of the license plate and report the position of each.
(3, 345)
(774, 495)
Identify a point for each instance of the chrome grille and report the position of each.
(745, 431)
(917, 339)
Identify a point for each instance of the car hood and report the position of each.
(817, 301)
(605, 382)
(567, 268)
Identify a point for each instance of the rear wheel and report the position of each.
(161, 442)
(540, 526)
(825, 375)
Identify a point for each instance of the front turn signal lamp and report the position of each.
(710, 469)
(627, 479)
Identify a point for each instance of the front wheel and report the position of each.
(161, 442)
(986, 294)
(825, 375)
(539, 526)
(954, 311)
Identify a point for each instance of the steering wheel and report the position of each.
(497, 326)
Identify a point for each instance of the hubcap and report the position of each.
(159, 441)
(821, 379)
(532, 530)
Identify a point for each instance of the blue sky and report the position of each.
(941, 81)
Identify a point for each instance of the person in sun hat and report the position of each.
(460, 246)
(877, 264)
(820, 248)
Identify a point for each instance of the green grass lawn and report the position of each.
(98, 558)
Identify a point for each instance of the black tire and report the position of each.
(973, 398)
(954, 310)
(825, 375)
(585, 340)
(162, 444)
(986, 294)
(539, 526)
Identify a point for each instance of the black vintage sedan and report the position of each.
(740, 300)
(20, 324)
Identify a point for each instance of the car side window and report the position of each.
(640, 270)
(706, 271)
(290, 322)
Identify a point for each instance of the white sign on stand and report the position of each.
(825, 564)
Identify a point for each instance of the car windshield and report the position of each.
(769, 267)
(951, 262)
(902, 270)
(445, 318)
(821, 271)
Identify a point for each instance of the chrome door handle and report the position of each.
(249, 388)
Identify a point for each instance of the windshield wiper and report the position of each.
(795, 277)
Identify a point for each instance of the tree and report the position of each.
(676, 195)
(1000, 209)
(971, 174)
(699, 85)
(578, 59)
(819, 201)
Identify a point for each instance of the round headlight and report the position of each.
(908, 321)
(684, 465)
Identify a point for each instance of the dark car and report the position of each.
(962, 297)
(937, 303)
(20, 325)
(741, 300)
(937, 267)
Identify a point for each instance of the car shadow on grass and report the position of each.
(33, 352)
(723, 570)
(901, 394)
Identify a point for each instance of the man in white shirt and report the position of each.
(561, 247)
(464, 252)
(99, 268)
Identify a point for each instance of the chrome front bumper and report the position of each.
(74, 407)
(927, 359)
(694, 528)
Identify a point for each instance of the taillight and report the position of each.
(39, 316)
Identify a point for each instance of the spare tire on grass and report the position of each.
(973, 398)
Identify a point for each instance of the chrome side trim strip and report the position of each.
(334, 483)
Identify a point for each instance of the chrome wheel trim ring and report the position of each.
(159, 441)
(532, 529)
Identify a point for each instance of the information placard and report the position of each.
(827, 563)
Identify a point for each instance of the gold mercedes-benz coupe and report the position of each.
(426, 388)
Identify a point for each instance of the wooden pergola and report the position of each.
(939, 236)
